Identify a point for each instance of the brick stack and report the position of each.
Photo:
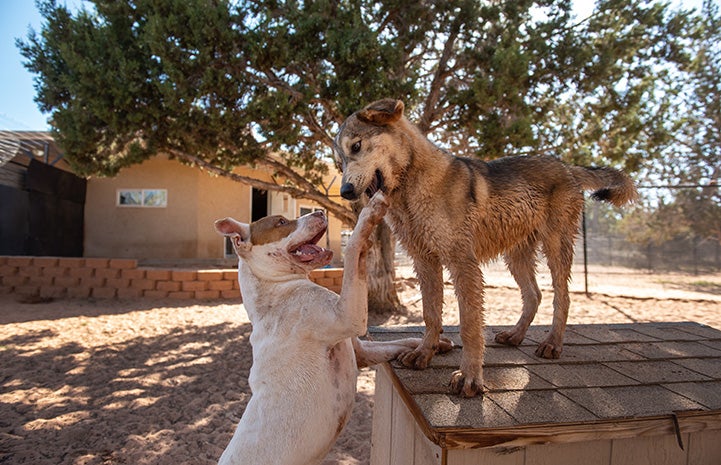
(108, 278)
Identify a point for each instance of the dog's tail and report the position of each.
(608, 184)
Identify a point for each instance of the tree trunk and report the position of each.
(382, 295)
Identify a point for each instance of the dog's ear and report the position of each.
(382, 112)
(239, 233)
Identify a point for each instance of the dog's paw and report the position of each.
(549, 349)
(466, 386)
(418, 358)
(510, 338)
(378, 206)
(444, 345)
(372, 213)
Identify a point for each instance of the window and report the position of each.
(149, 198)
(229, 251)
(306, 210)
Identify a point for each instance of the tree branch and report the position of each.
(434, 93)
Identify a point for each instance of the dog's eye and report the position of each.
(355, 148)
(282, 222)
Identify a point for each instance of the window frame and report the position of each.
(144, 200)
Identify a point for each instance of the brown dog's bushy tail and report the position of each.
(608, 184)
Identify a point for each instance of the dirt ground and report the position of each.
(165, 382)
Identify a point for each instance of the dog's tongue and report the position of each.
(307, 252)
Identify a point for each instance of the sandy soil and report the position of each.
(161, 382)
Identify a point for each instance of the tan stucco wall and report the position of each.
(183, 229)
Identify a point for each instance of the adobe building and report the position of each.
(158, 212)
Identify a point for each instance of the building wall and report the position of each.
(133, 232)
(184, 228)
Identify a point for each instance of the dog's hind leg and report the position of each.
(521, 262)
(430, 276)
(559, 252)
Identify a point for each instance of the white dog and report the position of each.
(305, 348)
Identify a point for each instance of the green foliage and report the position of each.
(690, 152)
(241, 82)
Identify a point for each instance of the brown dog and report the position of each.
(458, 212)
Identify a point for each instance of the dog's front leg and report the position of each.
(468, 281)
(430, 276)
(354, 291)
(369, 353)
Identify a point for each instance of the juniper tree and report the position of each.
(222, 83)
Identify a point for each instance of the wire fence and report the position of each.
(679, 254)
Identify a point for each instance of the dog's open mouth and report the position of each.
(309, 251)
(376, 185)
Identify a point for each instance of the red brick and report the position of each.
(130, 293)
(55, 271)
(40, 280)
(52, 291)
(19, 261)
(71, 262)
(207, 295)
(158, 275)
(144, 284)
(7, 270)
(81, 272)
(97, 262)
(117, 283)
(137, 273)
(66, 281)
(3, 260)
(14, 281)
(79, 292)
(123, 263)
(194, 285)
(230, 294)
(107, 273)
(236, 284)
(169, 286)
(45, 261)
(103, 292)
(181, 295)
(325, 282)
(184, 275)
(230, 275)
(153, 294)
(30, 271)
(333, 272)
(27, 289)
(220, 285)
(92, 281)
(335, 289)
(210, 275)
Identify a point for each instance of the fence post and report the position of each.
(585, 250)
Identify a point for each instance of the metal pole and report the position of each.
(585, 251)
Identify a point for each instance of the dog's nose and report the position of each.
(347, 191)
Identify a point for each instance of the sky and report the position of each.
(18, 110)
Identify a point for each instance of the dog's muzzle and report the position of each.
(347, 191)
